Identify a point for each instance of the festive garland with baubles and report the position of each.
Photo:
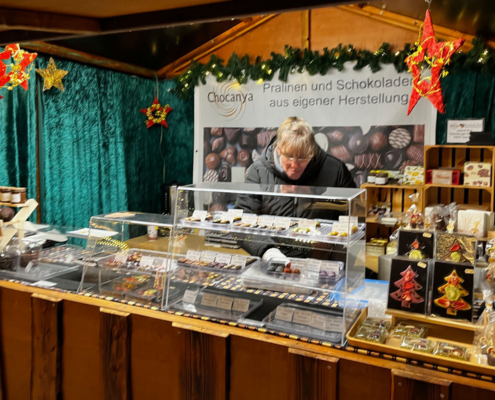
(479, 58)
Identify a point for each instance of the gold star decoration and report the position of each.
(52, 77)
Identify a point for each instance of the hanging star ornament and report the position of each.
(430, 55)
(156, 114)
(19, 67)
(52, 77)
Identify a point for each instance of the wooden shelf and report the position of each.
(14, 205)
(431, 185)
(465, 326)
(372, 185)
(457, 146)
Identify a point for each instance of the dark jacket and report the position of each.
(323, 170)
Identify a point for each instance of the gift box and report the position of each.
(474, 222)
(416, 244)
(443, 176)
(414, 176)
(477, 174)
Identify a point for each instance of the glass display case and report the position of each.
(290, 258)
(127, 256)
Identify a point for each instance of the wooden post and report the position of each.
(305, 29)
(312, 376)
(46, 314)
(411, 386)
(115, 351)
(203, 372)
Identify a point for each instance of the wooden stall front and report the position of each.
(65, 346)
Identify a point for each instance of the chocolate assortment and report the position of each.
(217, 266)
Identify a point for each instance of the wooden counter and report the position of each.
(65, 346)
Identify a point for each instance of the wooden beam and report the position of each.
(182, 63)
(115, 351)
(87, 58)
(409, 23)
(305, 29)
(18, 36)
(211, 13)
(46, 314)
(42, 21)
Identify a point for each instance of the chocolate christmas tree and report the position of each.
(408, 287)
(452, 295)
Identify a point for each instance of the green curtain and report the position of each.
(18, 138)
(97, 155)
(467, 94)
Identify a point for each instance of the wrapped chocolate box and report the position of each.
(477, 174)
(414, 175)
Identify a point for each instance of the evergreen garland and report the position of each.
(479, 58)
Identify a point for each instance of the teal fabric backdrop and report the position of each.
(97, 155)
(18, 138)
(467, 94)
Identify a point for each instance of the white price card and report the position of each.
(265, 221)
(317, 322)
(241, 305)
(307, 223)
(282, 222)
(209, 300)
(224, 302)
(208, 256)
(334, 324)
(284, 314)
(223, 258)
(458, 131)
(298, 264)
(348, 220)
(251, 219)
(302, 317)
(193, 255)
(69, 258)
(330, 266)
(121, 257)
(234, 213)
(239, 260)
(313, 265)
(146, 261)
(201, 214)
(190, 296)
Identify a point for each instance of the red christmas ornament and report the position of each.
(156, 114)
(18, 75)
(435, 55)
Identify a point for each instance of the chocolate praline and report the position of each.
(248, 141)
(244, 158)
(231, 150)
(212, 161)
(335, 136)
(224, 174)
(206, 147)
(218, 145)
(232, 134)
(264, 137)
(216, 131)
(394, 158)
(358, 143)
(378, 141)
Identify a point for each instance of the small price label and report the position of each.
(208, 256)
(265, 221)
(225, 303)
(239, 260)
(298, 264)
(121, 257)
(307, 223)
(317, 322)
(201, 214)
(334, 324)
(348, 220)
(241, 305)
(251, 219)
(146, 261)
(281, 222)
(284, 314)
(234, 213)
(313, 266)
(69, 258)
(302, 317)
(330, 266)
(422, 265)
(209, 300)
(427, 235)
(193, 255)
(190, 296)
(223, 258)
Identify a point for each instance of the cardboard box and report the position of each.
(414, 175)
(477, 174)
(443, 176)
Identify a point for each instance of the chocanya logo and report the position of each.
(229, 100)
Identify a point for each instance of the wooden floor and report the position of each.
(65, 346)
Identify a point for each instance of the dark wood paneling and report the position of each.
(15, 333)
(312, 376)
(82, 376)
(413, 386)
(115, 340)
(258, 370)
(463, 392)
(203, 369)
(155, 363)
(46, 314)
(361, 381)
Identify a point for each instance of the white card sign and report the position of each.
(458, 131)
(241, 305)
(313, 266)
(284, 314)
(234, 213)
(208, 256)
(201, 214)
(251, 219)
(121, 257)
(223, 258)
(265, 221)
(224, 302)
(307, 224)
(190, 296)
(281, 222)
(302, 317)
(209, 300)
(193, 255)
(146, 261)
(239, 260)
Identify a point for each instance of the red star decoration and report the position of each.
(18, 76)
(438, 55)
(156, 114)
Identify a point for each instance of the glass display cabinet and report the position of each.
(127, 256)
(289, 258)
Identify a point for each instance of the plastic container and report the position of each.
(16, 195)
(5, 194)
(30, 252)
(10, 258)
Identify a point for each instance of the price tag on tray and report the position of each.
(313, 265)
(317, 321)
(223, 258)
(330, 266)
(302, 317)
(239, 260)
(241, 305)
(307, 223)
(250, 219)
(209, 300)
(121, 257)
(334, 324)
(201, 214)
(146, 261)
(208, 256)
(284, 314)
(224, 302)
(190, 296)
(265, 221)
(193, 255)
(281, 222)
(234, 214)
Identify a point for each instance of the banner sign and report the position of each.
(359, 117)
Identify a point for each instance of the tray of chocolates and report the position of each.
(121, 286)
(232, 267)
(153, 262)
(63, 254)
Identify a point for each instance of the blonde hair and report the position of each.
(295, 138)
